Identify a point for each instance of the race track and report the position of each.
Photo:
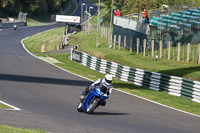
(41, 89)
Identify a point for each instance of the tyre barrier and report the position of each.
(172, 85)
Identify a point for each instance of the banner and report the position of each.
(69, 19)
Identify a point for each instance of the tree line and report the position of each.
(32, 7)
(134, 6)
(45, 7)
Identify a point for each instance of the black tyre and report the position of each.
(92, 106)
(79, 107)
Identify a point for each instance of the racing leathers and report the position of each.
(105, 88)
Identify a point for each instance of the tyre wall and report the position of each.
(172, 85)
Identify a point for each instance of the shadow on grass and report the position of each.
(181, 72)
(128, 86)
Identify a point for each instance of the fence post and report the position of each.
(179, 51)
(90, 28)
(160, 49)
(144, 51)
(152, 48)
(198, 56)
(114, 41)
(104, 33)
(106, 37)
(111, 38)
(169, 50)
(119, 42)
(138, 42)
(101, 32)
(124, 42)
(131, 44)
(188, 52)
(86, 29)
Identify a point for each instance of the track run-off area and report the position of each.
(47, 97)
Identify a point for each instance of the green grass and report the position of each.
(3, 106)
(50, 39)
(3, 18)
(38, 20)
(172, 67)
(41, 18)
(32, 22)
(10, 129)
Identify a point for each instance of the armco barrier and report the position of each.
(156, 81)
(11, 25)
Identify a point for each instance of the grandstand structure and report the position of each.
(175, 24)
(180, 23)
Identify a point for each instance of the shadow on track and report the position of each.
(107, 113)
(43, 80)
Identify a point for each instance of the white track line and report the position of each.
(13, 107)
(114, 88)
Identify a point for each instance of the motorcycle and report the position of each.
(92, 100)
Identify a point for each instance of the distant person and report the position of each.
(164, 31)
(15, 27)
(117, 13)
(144, 13)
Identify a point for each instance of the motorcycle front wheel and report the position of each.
(92, 106)
(79, 107)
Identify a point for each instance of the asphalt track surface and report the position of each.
(48, 97)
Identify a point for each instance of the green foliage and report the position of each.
(32, 7)
(52, 38)
(10, 129)
(134, 6)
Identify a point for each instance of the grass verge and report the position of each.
(10, 129)
(32, 22)
(3, 106)
(124, 57)
(45, 42)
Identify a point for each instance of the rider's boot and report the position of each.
(103, 103)
(85, 93)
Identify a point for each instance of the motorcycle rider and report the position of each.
(105, 86)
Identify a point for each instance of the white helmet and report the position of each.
(108, 79)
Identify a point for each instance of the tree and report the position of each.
(6, 6)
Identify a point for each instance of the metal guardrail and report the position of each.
(172, 85)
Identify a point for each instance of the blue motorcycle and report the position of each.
(92, 100)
